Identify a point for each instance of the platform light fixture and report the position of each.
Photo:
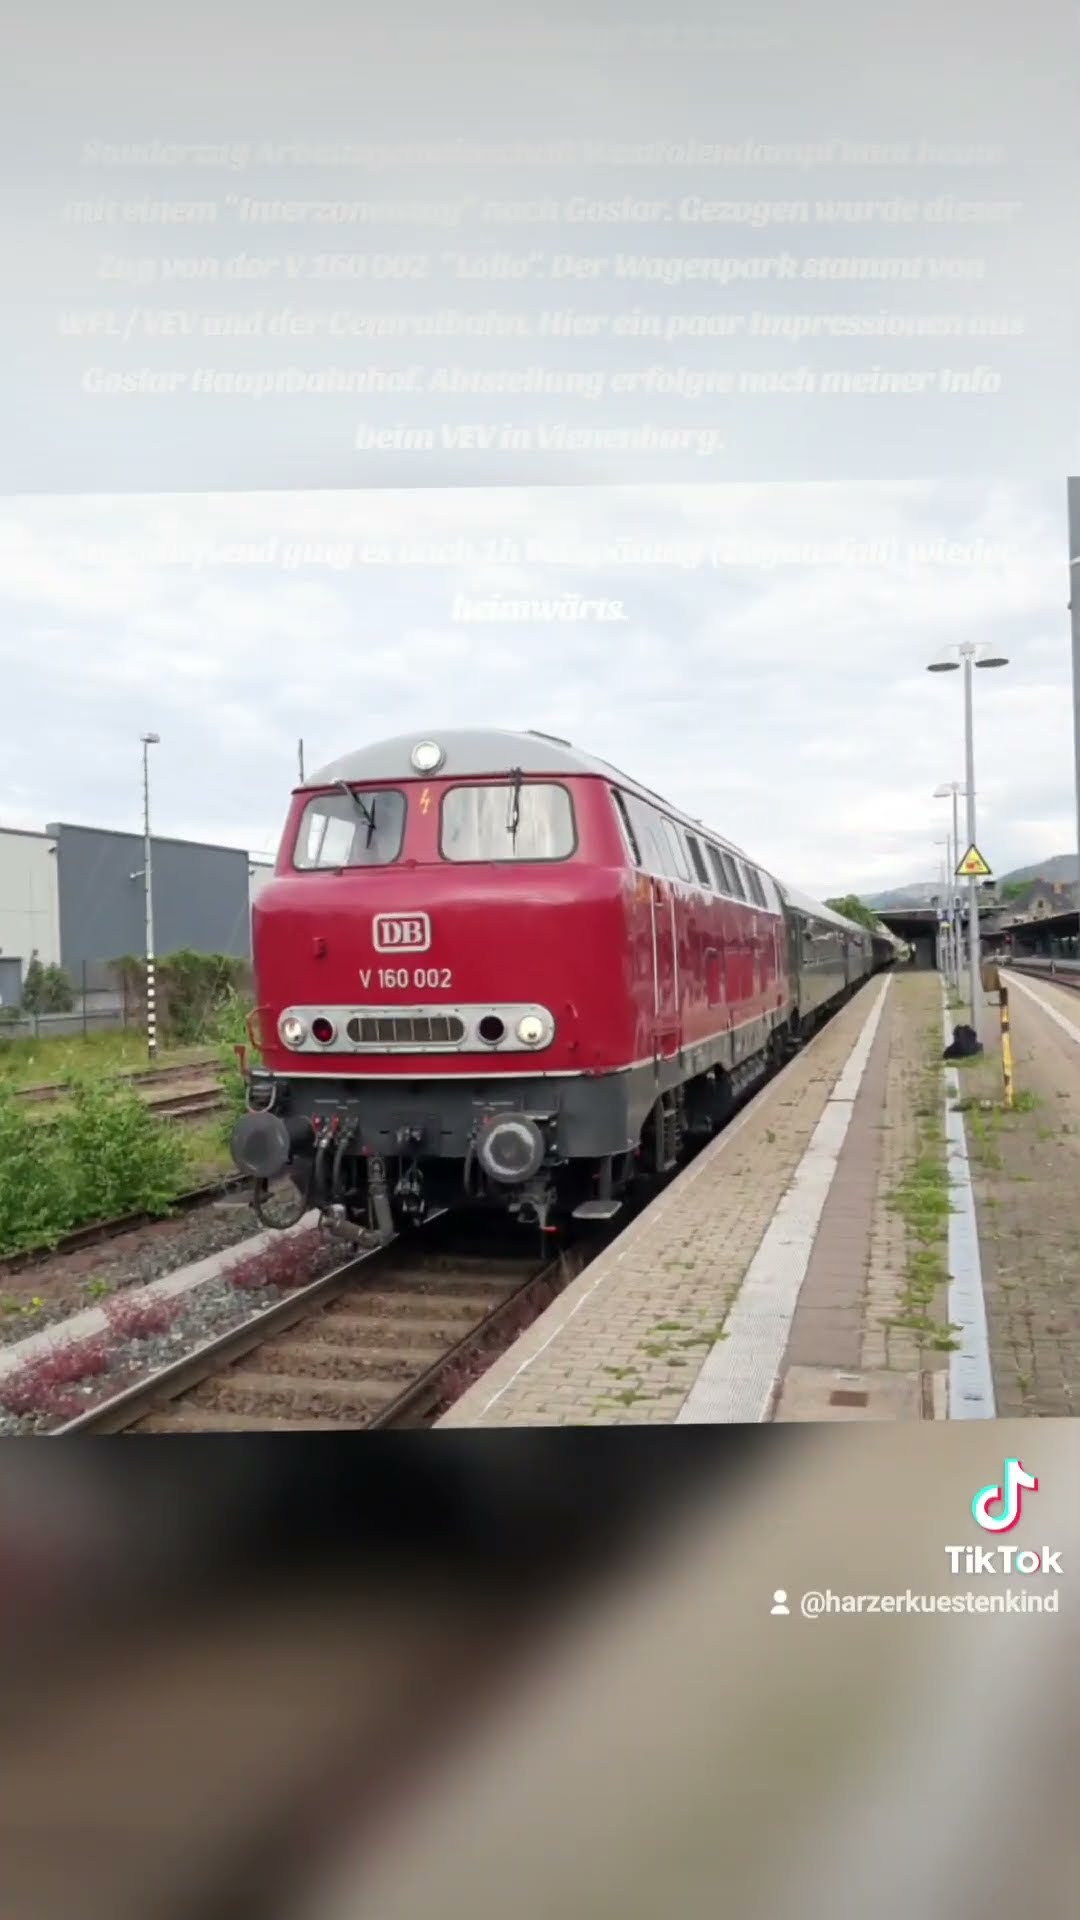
(953, 789)
(968, 654)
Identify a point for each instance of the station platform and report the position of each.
(772, 1279)
(1025, 1173)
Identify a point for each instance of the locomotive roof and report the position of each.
(471, 751)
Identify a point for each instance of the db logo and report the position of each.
(397, 933)
(1006, 1499)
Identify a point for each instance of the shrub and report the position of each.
(285, 1263)
(38, 1386)
(230, 1032)
(46, 989)
(37, 1187)
(124, 1159)
(139, 1316)
(103, 1155)
(247, 1275)
(192, 989)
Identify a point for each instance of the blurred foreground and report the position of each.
(530, 1673)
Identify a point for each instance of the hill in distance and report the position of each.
(1059, 866)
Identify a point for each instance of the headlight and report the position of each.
(427, 756)
(292, 1031)
(530, 1030)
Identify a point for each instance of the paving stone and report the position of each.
(1026, 1177)
(808, 1392)
(682, 1261)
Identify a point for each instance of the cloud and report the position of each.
(779, 693)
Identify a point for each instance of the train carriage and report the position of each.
(492, 970)
(828, 955)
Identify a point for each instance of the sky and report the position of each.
(786, 704)
(361, 280)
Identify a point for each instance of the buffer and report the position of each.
(973, 866)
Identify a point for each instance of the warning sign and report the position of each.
(973, 866)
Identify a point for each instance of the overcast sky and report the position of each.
(613, 206)
(787, 705)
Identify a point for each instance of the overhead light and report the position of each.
(943, 666)
(427, 756)
(993, 660)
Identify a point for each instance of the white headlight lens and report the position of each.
(426, 756)
(530, 1030)
(293, 1031)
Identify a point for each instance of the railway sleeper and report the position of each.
(437, 1305)
(249, 1391)
(203, 1420)
(394, 1343)
(320, 1360)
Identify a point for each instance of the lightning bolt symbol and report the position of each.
(425, 800)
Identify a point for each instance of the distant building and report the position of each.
(74, 896)
(1039, 900)
(29, 907)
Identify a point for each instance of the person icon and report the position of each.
(780, 1604)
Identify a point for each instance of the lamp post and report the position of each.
(955, 788)
(1073, 498)
(149, 740)
(970, 655)
(945, 910)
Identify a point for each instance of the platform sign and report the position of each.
(973, 866)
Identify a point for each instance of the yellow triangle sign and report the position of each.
(973, 866)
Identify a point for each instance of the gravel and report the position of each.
(213, 1308)
(40, 1296)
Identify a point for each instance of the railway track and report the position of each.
(145, 1077)
(104, 1230)
(193, 1101)
(1061, 973)
(374, 1344)
(370, 1345)
(190, 1105)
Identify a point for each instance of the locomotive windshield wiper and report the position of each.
(367, 814)
(513, 811)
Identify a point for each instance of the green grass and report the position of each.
(44, 1062)
(923, 1202)
(207, 1148)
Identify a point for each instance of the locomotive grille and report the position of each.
(404, 1029)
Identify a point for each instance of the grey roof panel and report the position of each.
(816, 910)
(474, 751)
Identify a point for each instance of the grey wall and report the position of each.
(200, 897)
(11, 970)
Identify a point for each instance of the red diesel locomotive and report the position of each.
(492, 970)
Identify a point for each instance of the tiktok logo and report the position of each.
(1006, 1499)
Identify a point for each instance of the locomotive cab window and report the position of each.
(626, 828)
(350, 829)
(507, 820)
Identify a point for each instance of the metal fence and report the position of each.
(51, 1026)
(101, 1004)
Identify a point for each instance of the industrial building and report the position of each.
(75, 896)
